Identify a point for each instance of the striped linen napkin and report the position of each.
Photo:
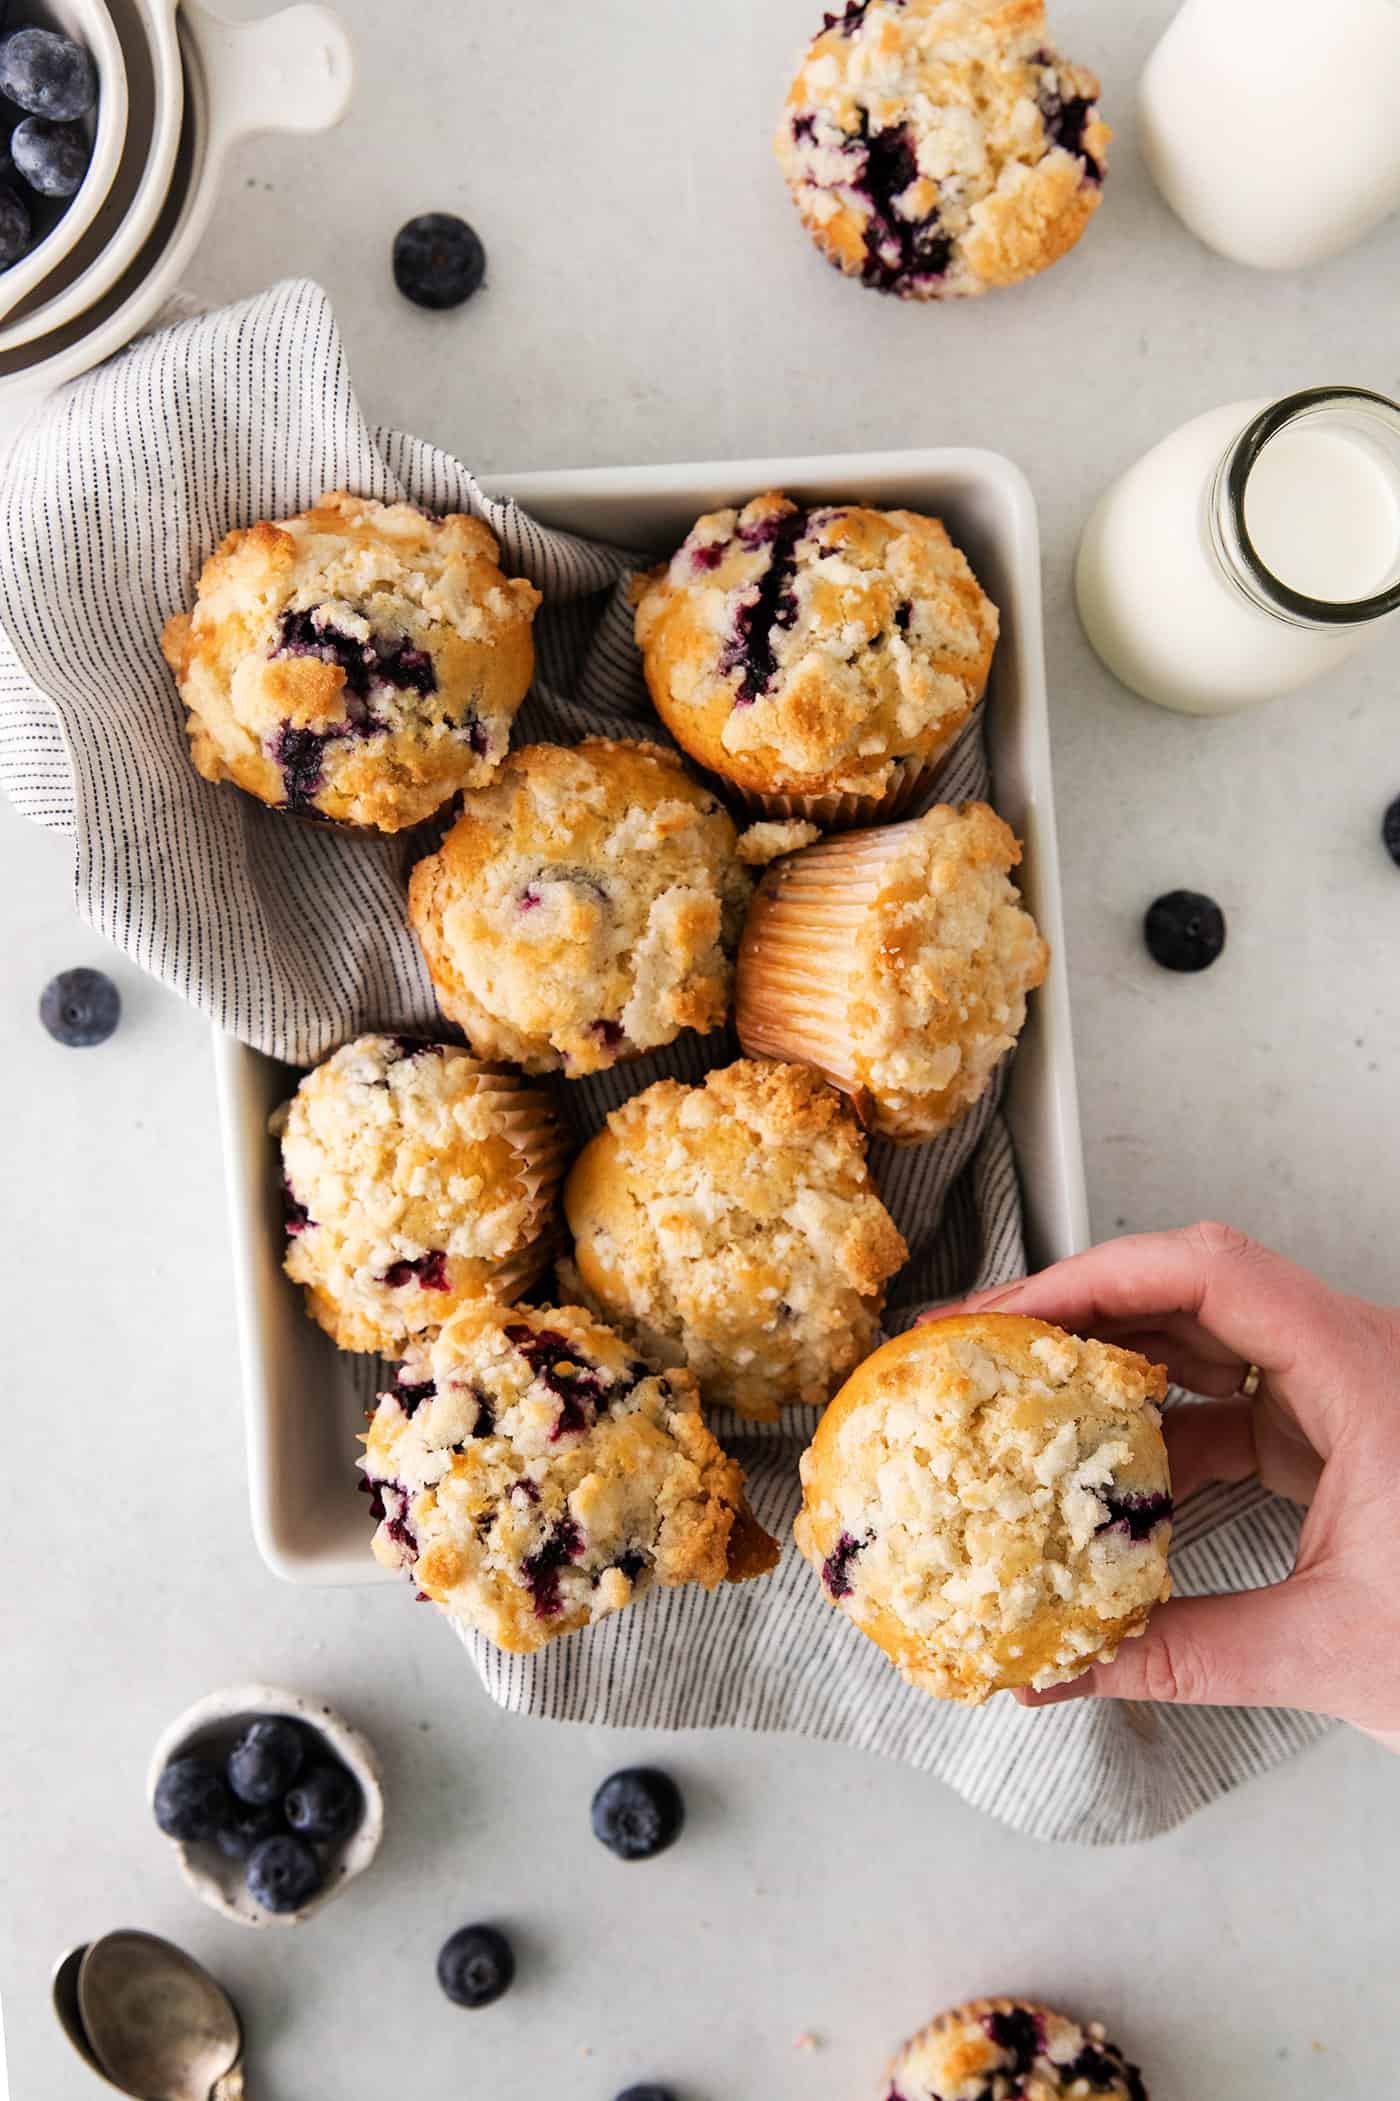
(294, 938)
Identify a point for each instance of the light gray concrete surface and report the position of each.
(652, 298)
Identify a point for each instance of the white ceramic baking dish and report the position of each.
(305, 1401)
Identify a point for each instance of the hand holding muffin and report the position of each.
(987, 1498)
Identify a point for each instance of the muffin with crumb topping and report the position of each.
(358, 664)
(998, 2049)
(584, 908)
(415, 1179)
(935, 148)
(988, 1500)
(819, 660)
(532, 1476)
(898, 962)
(734, 1228)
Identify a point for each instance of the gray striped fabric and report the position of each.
(294, 938)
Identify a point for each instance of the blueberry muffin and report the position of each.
(584, 908)
(359, 664)
(414, 1179)
(734, 1228)
(936, 147)
(531, 1475)
(987, 1498)
(898, 962)
(1011, 2050)
(819, 661)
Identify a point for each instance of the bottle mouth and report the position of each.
(1375, 419)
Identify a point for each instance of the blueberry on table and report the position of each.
(80, 1008)
(1390, 831)
(247, 1827)
(191, 1801)
(16, 226)
(1184, 930)
(438, 260)
(266, 1759)
(47, 74)
(52, 158)
(647, 2093)
(475, 1965)
(325, 1803)
(283, 1874)
(638, 1813)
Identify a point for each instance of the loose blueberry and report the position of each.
(16, 226)
(283, 1874)
(475, 1965)
(1390, 831)
(52, 158)
(248, 1827)
(438, 260)
(325, 1804)
(191, 1801)
(638, 1813)
(47, 74)
(647, 2093)
(1184, 930)
(80, 1008)
(266, 1759)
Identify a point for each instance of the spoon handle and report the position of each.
(229, 2087)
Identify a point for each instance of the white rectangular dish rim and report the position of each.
(308, 1524)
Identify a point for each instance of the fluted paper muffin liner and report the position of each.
(856, 958)
(529, 1121)
(842, 810)
(798, 953)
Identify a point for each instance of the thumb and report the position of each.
(1256, 1648)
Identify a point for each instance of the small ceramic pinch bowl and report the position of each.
(111, 243)
(210, 1729)
(88, 23)
(291, 71)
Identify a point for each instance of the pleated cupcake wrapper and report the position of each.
(294, 937)
(839, 812)
(529, 1119)
(799, 952)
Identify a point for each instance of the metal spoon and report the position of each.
(65, 2005)
(158, 2025)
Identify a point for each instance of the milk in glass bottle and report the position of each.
(1248, 552)
(1273, 126)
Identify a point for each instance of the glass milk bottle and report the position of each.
(1249, 552)
(1273, 126)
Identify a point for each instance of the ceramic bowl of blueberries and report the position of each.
(291, 70)
(63, 96)
(270, 1800)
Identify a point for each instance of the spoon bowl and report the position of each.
(155, 2021)
(65, 2005)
